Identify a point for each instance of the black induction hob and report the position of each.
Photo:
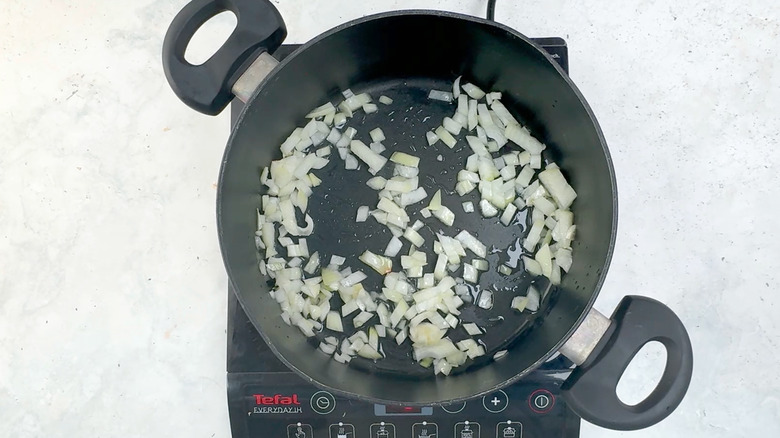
(267, 400)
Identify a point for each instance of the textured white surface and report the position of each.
(112, 290)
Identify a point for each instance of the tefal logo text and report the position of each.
(278, 399)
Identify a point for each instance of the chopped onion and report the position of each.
(524, 139)
(374, 161)
(445, 215)
(472, 243)
(556, 184)
(405, 159)
(485, 300)
(414, 237)
(393, 247)
(431, 138)
(339, 120)
(519, 303)
(443, 96)
(369, 353)
(377, 136)
(337, 260)
(446, 137)
(536, 162)
(370, 108)
(351, 163)
(544, 258)
(473, 91)
(362, 213)
(533, 299)
(473, 119)
(456, 87)
(468, 207)
(532, 266)
(385, 100)
(333, 322)
(376, 183)
(470, 273)
(435, 203)
(451, 126)
(353, 279)
(533, 236)
(361, 319)
(472, 329)
(425, 212)
(505, 270)
(377, 147)
(487, 209)
(380, 264)
(509, 214)
(321, 111)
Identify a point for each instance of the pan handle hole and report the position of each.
(643, 374)
(210, 37)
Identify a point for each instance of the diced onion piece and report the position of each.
(376, 183)
(480, 264)
(532, 266)
(366, 351)
(370, 108)
(533, 236)
(351, 163)
(470, 273)
(473, 120)
(385, 100)
(350, 307)
(377, 147)
(472, 329)
(321, 111)
(446, 137)
(425, 212)
(393, 247)
(444, 96)
(505, 270)
(536, 162)
(405, 159)
(519, 303)
(472, 243)
(353, 279)
(374, 161)
(337, 260)
(456, 87)
(362, 213)
(544, 258)
(563, 258)
(435, 203)
(485, 300)
(414, 237)
(556, 184)
(473, 91)
(361, 319)
(451, 126)
(445, 215)
(440, 269)
(452, 320)
(377, 135)
(487, 209)
(400, 337)
(431, 138)
(468, 207)
(533, 299)
(380, 264)
(555, 277)
(508, 215)
(524, 139)
(333, 322)
(339, 120)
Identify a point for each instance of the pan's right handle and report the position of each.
(603, 356)
(207, 87)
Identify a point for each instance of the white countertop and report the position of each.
(112, 289)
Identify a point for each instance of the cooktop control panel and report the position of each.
(282, 405)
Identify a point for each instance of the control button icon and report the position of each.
(467, 429)
(342, 430)
(495, 402)
(323, 402)
(382, 430)
(425, 430)
(541, 401)
(509, 429)
(454, 408)
(299, 430)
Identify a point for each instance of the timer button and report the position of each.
(323, 402)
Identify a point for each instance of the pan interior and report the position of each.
(404, 56)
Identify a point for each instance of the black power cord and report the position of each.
(491, 10)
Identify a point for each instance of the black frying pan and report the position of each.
(403, 55)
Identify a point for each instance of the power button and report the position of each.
(323, 402)
(541, 401)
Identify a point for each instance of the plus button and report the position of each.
(495, 402)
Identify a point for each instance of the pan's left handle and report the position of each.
(208, 87)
